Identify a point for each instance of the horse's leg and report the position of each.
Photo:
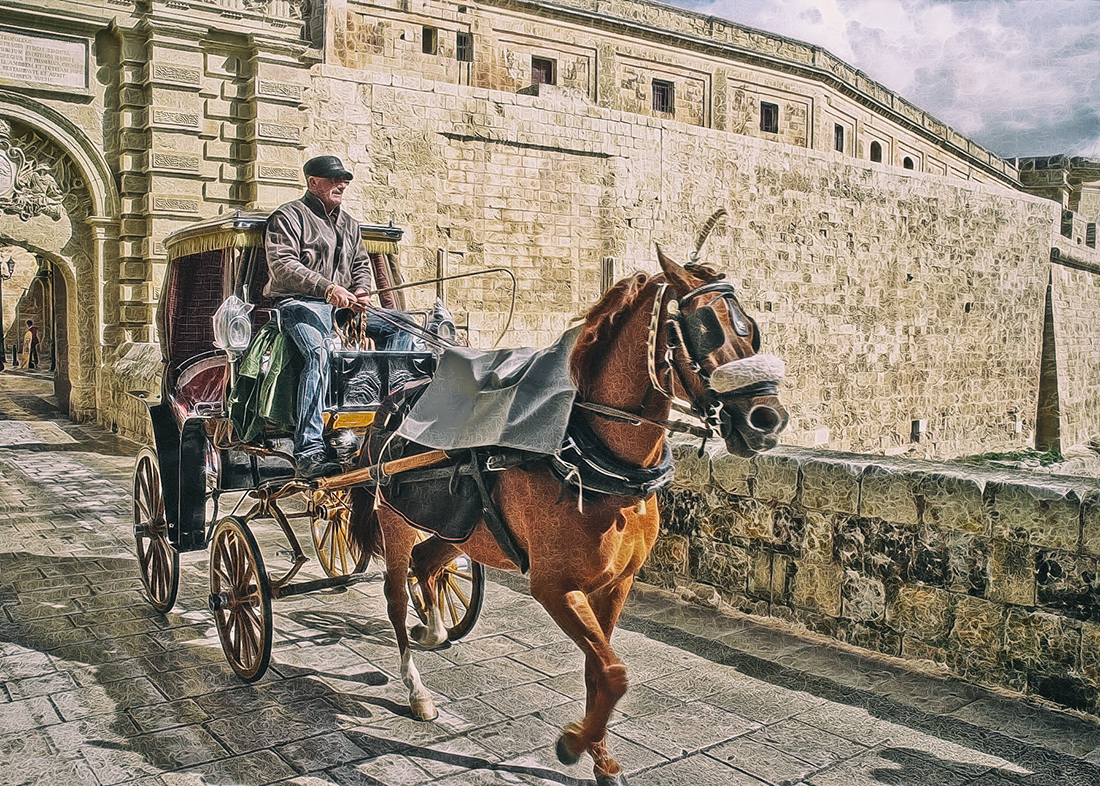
(399, 540)
(428, 559)
(605, 675)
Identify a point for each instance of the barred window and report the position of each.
(664, 96)
(769, 117)
(464, 48)
(838, 137)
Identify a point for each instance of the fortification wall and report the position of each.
(1074, 303)
(909, 309)
(992, 573)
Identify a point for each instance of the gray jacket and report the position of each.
(307, 252)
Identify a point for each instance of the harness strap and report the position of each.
(504, 537)
(651, 355)
(623, 416)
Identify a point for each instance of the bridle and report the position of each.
(690, 339)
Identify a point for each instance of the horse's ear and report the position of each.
(680, 280)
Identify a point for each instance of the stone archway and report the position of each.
(58, 201)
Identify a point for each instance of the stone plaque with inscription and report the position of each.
(51, 63)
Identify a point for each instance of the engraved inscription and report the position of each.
(44, 62)
(274, 131)
(169, 117)
(278, 172)
(279, 90)
(175, 204)
(171, 73)
(176, 161)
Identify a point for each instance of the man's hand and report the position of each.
(343, 298)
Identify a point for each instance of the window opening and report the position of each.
(769, 117)
(876, 152)
(838, 137)
(907, 163)
(429, 41)
(464, 47)
(1067, 223)
(664, 96)
(542, 71)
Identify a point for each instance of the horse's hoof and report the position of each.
(423, 637)
(618, 779)
(565, 754)
(424, 710)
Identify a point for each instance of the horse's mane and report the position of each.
(599, 323)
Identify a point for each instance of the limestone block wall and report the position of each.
(909, 309)
(1072, 351)
(133, 371)
(991, 573)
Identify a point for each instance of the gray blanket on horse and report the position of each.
(508, 398)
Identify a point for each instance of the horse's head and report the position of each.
(714, 361)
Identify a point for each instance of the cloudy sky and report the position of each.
(1019, 77)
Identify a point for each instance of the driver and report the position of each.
(317, 263)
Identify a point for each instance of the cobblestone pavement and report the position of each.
(97, 688)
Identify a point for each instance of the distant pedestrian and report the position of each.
(32, 352)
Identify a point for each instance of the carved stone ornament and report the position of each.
(35, 178)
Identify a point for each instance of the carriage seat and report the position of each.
(199, 387)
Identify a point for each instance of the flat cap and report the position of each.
(327, 166)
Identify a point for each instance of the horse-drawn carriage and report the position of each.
(550, 458)
(214, 444)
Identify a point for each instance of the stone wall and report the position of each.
(909, 309)
(1074, 302)
(993, 573)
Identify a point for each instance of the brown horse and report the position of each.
(680, 333)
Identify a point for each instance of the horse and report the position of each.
(649, 339)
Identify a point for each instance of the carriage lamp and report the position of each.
(8, 263)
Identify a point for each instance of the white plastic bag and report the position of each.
(233, 326)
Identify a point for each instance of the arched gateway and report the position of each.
(58, 213)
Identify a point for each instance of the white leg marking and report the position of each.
(420, 701)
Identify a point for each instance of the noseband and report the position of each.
(694, 336)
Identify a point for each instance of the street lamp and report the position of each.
(9, 263)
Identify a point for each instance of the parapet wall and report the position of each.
(993, 573)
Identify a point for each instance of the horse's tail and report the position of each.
(364, 528)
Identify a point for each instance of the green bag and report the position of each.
(266, 385)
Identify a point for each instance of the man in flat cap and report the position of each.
(317, 264)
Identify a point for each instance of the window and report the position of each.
(838, 137)
(1090, 235)
(1067, 223)
(769, 117)
(876, 152)
(464, 47)
(907, 163)
(664, 96)
(429, 41)
(543, 71)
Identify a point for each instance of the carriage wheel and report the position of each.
(240, 598)
(459, 593)
(329, 522)
(159, 560)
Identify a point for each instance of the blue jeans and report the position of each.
(308, 323)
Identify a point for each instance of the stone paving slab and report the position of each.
(97, 688)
